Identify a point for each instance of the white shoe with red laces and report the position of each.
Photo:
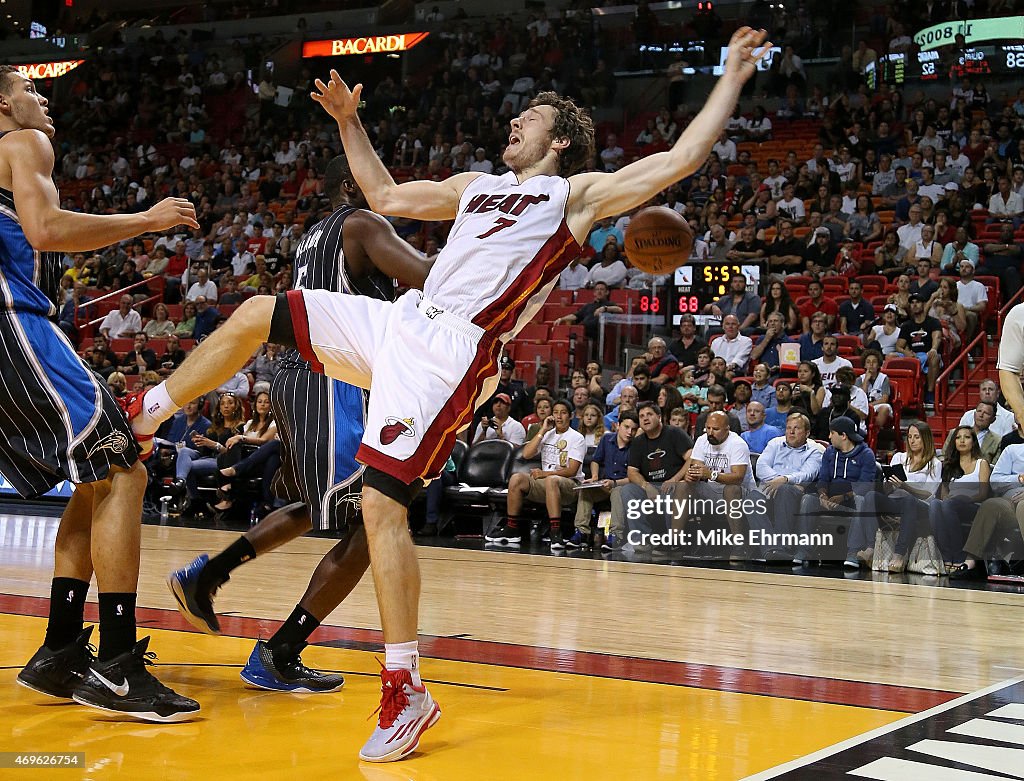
(132, 404)
(406, 712)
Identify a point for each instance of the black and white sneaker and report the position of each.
(264, 672)
(504, 534)
(58, 673)
(555, 538)
(124, 685)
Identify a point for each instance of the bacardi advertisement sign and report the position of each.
(373, 44)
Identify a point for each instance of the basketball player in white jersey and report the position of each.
(429, 356)
(1011, 361)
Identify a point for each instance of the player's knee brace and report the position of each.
(392, 487)
(282, 331)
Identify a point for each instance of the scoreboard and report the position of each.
(699, 283)
(901, 67)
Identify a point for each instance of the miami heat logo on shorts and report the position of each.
(395, 428)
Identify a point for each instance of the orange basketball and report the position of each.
(658, 240)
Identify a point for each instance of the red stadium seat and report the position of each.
(623, 297)
(533, 352)
(534, 332)
(551, 312)
(583, 296)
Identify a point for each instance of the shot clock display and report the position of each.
(698, 284)
(901, 67)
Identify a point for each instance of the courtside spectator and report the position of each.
(553, 484)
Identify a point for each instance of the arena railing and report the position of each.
(944, 396)
(119, 292)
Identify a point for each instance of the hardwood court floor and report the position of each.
(544, 667)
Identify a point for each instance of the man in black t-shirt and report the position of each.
(588, 314)
(785, 254)
(748, 247)
(920, 338)
(856, 312)
(657, 457)
(645, 389)
(686, 347)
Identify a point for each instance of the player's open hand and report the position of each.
(336, 98)
(170, 212)
(746, 47)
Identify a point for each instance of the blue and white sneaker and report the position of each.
(195, 605)
(263, 672)
(611, 543)
(578, 540)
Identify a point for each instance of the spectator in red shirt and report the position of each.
(818, 303)
(257, 243)
(664, 366)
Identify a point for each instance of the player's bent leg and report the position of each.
(65, 655)
(406, 709)
(195, 585)
(214, 361)
(276, 664)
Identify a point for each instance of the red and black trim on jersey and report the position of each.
(439, 438)
(300, 325)
(502, 314)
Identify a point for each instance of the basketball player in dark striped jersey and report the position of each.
(59, 421)
(431, 356)
(320, 424)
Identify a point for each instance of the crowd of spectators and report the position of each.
(924, 192)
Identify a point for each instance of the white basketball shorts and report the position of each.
(426, 370)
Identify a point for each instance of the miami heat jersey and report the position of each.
(509, 243)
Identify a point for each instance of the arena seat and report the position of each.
(485, 466)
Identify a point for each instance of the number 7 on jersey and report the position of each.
(499, 225)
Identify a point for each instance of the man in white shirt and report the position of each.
(612, 155)
(1005, 205)
(910, 232)
(574, 276)
(930, 187)
(974, 297)
(500, 425)
(243, 261)
(480, 162)
(725, 148)
(718, 468)
(1003, 424)
(830, 362)
(202, 287)
(123, 322)
(957, 160)
(790, 206)
(562, 451)
(732, 346)
(775, 180)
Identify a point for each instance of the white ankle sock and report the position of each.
(404, 656)
(158, 408)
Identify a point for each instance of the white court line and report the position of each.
(893, 769)
(829, 751)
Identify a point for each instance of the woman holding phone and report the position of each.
(912, 480)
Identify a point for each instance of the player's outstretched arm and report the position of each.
(49, 228)
(376, 242)
(632, 185)
(421, 200)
